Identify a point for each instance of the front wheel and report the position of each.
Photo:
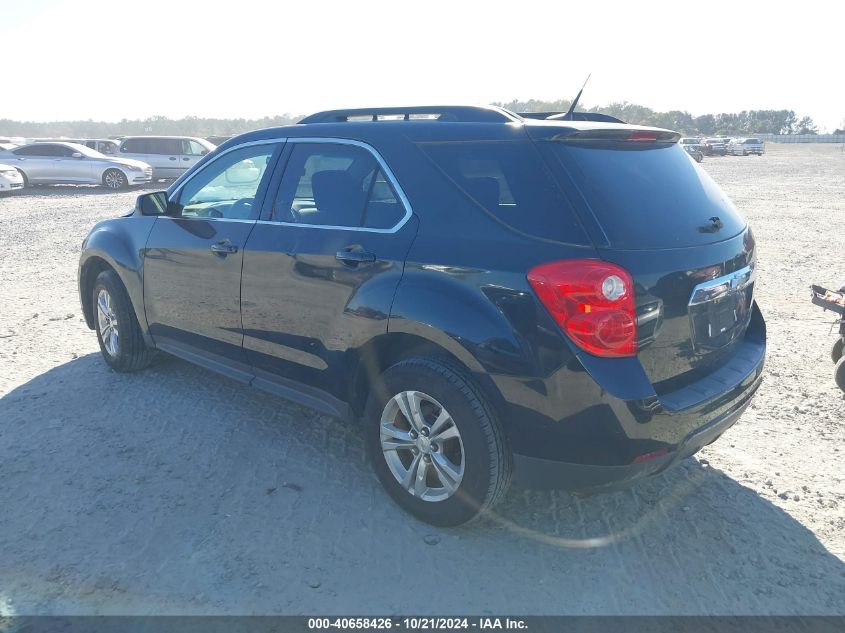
(118, 332)
(435, 442)
(115, 179)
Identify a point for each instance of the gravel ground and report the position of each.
(178, 491)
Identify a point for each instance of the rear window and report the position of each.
(511, 182)
(649, 197)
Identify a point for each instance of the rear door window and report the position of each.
(333, 184)
(649, 197)
(165, 146)
(509, 181)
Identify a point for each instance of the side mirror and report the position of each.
(154, 203)
(76, 155)
(204, 152)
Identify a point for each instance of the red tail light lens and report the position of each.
(643, 136)
(593, 303)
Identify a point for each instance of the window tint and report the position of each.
(226, 188)
(510, 181)
(32, 150)
(134, 146)
(384, 210)
(649, 197)
(165, 146)
(336, 185)
(62, 150)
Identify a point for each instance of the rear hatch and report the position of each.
(652, 210)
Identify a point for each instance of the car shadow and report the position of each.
(174, 490)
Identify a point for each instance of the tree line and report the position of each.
(728, 123)
(159, 125)
(733, 123)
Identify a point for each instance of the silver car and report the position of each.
(170, 156)
(53, 163)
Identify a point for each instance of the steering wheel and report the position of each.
(241, 209)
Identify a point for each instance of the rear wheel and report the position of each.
(118, 332)
(435, 442)
(115, 179)
(839, 374)
(836, 350)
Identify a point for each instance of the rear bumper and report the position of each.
(600, 429)
(537, 473)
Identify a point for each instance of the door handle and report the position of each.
(172, 158)
(186, 158)
(355, 257)
(224, 247)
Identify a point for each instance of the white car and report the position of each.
(170, 156)
(745, 146)
(69, 163)
(10, 179)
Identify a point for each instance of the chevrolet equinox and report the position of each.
(560, 302)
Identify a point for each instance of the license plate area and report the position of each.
(720, 310)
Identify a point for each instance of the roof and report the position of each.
(419, 123)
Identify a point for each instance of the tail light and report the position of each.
(593, 303)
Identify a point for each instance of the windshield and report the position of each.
(646, 198)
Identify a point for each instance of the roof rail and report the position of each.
(464, 114)
(575, 116)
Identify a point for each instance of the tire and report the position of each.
(479, 451)
(836, 349)
(113, 313)
(839, 374)
(115, 179)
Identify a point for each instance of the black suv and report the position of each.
(566, 303)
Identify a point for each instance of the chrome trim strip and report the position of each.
(715, 288)
(204, 219)
(388, 174)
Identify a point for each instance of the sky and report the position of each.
(107, 60)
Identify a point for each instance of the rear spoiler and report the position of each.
(575, 116)
(623, 137)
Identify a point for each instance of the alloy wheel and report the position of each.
(107, 322)
(422, 446)
(114, 179)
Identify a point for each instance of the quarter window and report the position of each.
(509, 180)
(327, 184)
(226, 187)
